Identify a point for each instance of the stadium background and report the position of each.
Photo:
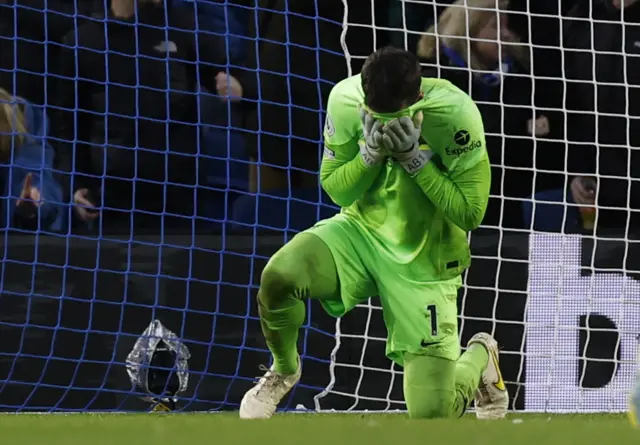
(72, 306)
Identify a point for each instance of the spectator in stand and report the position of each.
(295, 80)
(227, 17)
(30, 34)
(473, 47)
(138, 154)
(298, 55)
(603, 119)
(540, 24)
(409, 17)
(224, 156)
(31, 197)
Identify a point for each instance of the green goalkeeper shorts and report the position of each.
(421, 317)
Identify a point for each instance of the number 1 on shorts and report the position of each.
(434, 319)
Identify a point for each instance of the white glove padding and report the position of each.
(401, 137)
(372, 149)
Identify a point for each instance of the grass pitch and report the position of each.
(313, 429)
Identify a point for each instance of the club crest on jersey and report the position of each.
(329, 128)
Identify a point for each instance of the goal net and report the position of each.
(560, 300)
(80, 307)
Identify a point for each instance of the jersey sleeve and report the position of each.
(458, 178)
(463, 196)
(343, 174)
(459, 138)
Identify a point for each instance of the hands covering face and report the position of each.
(398, 139)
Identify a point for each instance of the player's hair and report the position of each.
(12, 124)
(463, 20)
(391, 80)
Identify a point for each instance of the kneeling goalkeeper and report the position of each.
(405, 158)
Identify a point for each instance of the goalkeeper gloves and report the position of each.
(401, 137)
(372, 148)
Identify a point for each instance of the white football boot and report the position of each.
(261, 401)
(492, 397)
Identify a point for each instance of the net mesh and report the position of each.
(74, 301)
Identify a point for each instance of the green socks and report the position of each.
(469, 369)
(435, 387)
(302, 269)
(280, 327)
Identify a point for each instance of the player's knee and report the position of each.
(436, 406)
(278, 283)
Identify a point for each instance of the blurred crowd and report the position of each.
(130, 115)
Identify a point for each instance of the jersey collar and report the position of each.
(386, 117)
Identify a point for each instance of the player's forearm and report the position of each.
(462, 199)
(347, 182)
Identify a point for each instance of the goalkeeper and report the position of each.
(405, 158)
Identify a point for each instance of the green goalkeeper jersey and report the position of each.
(421, 221)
